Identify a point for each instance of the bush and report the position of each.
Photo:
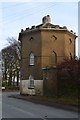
(68, 78)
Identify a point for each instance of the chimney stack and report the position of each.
(46, 19)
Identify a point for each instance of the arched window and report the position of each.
(53, 59)
(31, 82)
(70, 41)
(32, 58)
(70, 56)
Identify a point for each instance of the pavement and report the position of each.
(43, 101)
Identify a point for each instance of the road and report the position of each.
(17, 108)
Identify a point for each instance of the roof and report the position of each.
(46, 26)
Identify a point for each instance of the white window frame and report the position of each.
(31, 59)
(31, 82)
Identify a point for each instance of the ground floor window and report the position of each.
(31, 82)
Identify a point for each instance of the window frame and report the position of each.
(31, 59)
(31, 82)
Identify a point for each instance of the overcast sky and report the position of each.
(15, 16)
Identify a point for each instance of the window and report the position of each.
(54, 59)
(32, 59)
(70, 56)
(31, 82)
(70, 41)
(31, 38)
(53, 36)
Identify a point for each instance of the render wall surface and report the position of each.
(38, 89)
(69, 45)
(31, 42)
(50, 44)
(57, 41)
(43, 43)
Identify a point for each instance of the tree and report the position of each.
(11, 56)
(16, 47)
